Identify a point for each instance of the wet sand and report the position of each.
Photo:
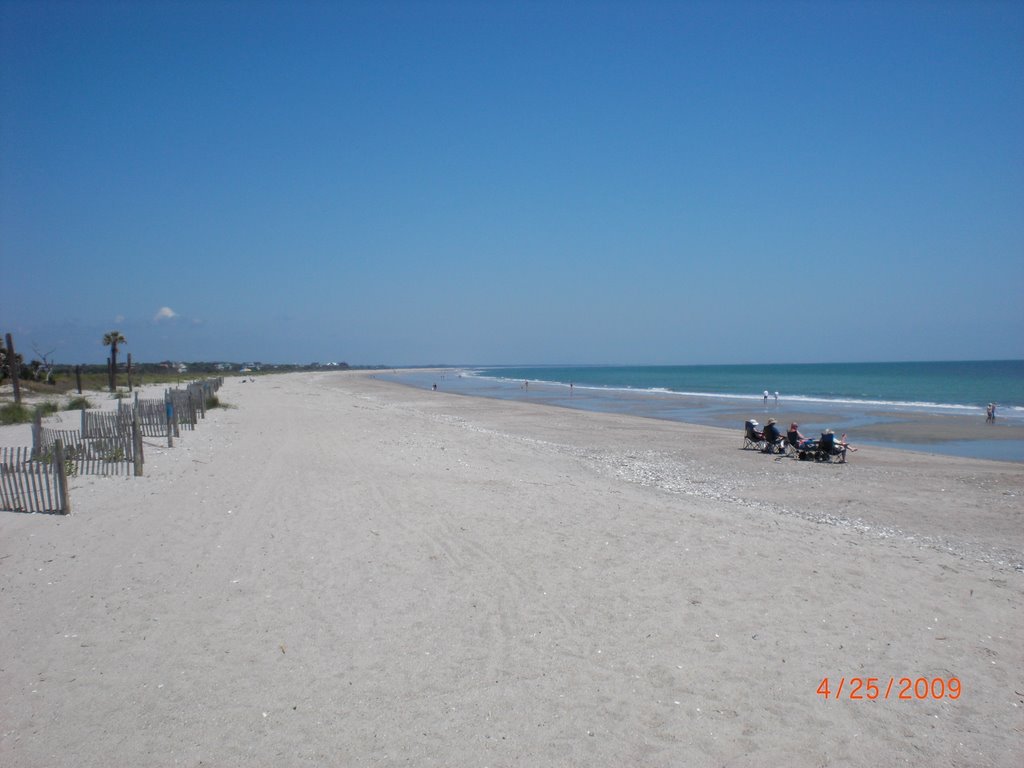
(889, 426)
(961, 433)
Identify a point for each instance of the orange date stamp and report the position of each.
(898, 688)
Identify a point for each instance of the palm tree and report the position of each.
(111, 340)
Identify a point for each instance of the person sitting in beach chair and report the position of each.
(830, 449)
(753, 437)
(799, 446)
(772, 438)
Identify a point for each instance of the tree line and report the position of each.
(43, 369)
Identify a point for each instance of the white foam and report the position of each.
(950, 408)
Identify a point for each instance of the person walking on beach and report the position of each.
(766, 398)
(988, 414)
(776, 398)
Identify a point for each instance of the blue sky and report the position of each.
(519, 182)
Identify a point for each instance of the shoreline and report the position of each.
(723, 463)
(906, 430)
(341, 569)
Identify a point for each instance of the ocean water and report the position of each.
(937, 386)
(839, 396)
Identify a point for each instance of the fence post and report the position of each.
(137, 441)
(78, 378)
(129, 371)
(174, 410)
(169, 408)
(37, 433)
(61, 470)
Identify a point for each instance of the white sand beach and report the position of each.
(340, 571)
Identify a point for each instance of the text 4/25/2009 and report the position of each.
(900, 688)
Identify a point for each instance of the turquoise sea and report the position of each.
(843, 395)
(940, 386)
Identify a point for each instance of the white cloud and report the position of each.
(164, 313)
(119, 319)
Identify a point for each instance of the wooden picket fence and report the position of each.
(105, 423)
(109, 442)
(31, 485)
(108, 455)
(153, 416)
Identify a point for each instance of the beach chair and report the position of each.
(752, 437)
(774, 441)
(829, 450)
(800, 449)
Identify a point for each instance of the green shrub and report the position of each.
(78, 404)
(113, 454)
(13, 413)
